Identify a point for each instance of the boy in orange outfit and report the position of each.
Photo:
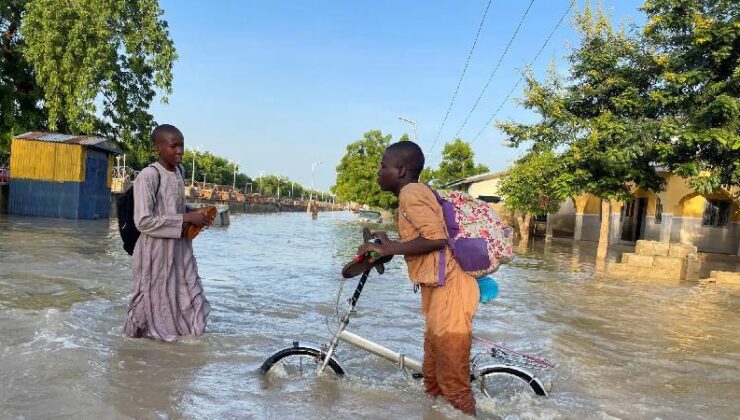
(449, 308)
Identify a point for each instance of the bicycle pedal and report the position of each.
(417, 375)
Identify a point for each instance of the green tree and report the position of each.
(458, 162)
(601, 117)
(427, 175)
(269, 185)
(216, 169)
(87, 53)
(696, 49)
(533, 186)
(357, 173)
(20, 96)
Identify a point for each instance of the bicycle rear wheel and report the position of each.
(298, 361)
(507, 381)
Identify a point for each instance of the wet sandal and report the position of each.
(189, 232)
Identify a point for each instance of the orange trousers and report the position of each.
(448, 312)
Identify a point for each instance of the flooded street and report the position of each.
(622, 348)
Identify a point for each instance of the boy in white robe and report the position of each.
(168, 299)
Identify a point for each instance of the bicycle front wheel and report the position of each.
(507, 381)
(298, 361)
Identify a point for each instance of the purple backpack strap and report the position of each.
(442, 254)
(442, 267)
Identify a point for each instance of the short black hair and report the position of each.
(161, 130)
(410, 155)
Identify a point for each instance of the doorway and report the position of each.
(632, 219)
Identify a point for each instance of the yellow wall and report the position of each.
(487, 187)
(47, 161)
(593, 205)
(693, 206)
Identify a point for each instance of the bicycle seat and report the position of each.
(362, 263)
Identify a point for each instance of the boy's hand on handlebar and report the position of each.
(376, 251)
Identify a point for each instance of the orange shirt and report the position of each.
(419, 214)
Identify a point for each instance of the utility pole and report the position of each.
(195, 151)
(261, 176)
(233, 185)
(313, 169)
(310, 196)
(412, 123)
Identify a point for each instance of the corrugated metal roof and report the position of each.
(101, 143)
(476, 178)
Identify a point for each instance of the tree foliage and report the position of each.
(533, 184)
(458, 162)
(20, 96)
(216, 169)
(282, 186)
(86, 53)
(600, 116)
(357, 173)
(696, 49)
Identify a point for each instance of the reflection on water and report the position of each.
(623, 348)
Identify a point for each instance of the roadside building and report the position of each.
(483, 186)
(679, 214)
(61, 175)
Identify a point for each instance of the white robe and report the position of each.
(168, 299)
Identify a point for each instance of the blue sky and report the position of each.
(277, 85)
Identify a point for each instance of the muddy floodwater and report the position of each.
(622, 348)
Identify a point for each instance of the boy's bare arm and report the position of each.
(419, 245)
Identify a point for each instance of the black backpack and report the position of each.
(125, 210)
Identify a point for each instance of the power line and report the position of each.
(536, 56)
(459, 82)
(498, 65)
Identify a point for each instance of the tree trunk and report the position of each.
(523, 222)
(606, 207)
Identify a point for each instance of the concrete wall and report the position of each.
(590, 227)
(722, 240)
(652, 230)
(564, 221)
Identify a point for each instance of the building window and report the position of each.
(716, 213)
(658, 211)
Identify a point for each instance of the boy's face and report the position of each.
(390, 173)
(170, 148)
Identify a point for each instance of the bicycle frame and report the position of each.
(401, 360)
(496, 361)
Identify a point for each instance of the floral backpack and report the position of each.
(479, 240)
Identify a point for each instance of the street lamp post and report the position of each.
(261, 176)
(233, 184)
(411, 122)
(195, 151)
(313, 169)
